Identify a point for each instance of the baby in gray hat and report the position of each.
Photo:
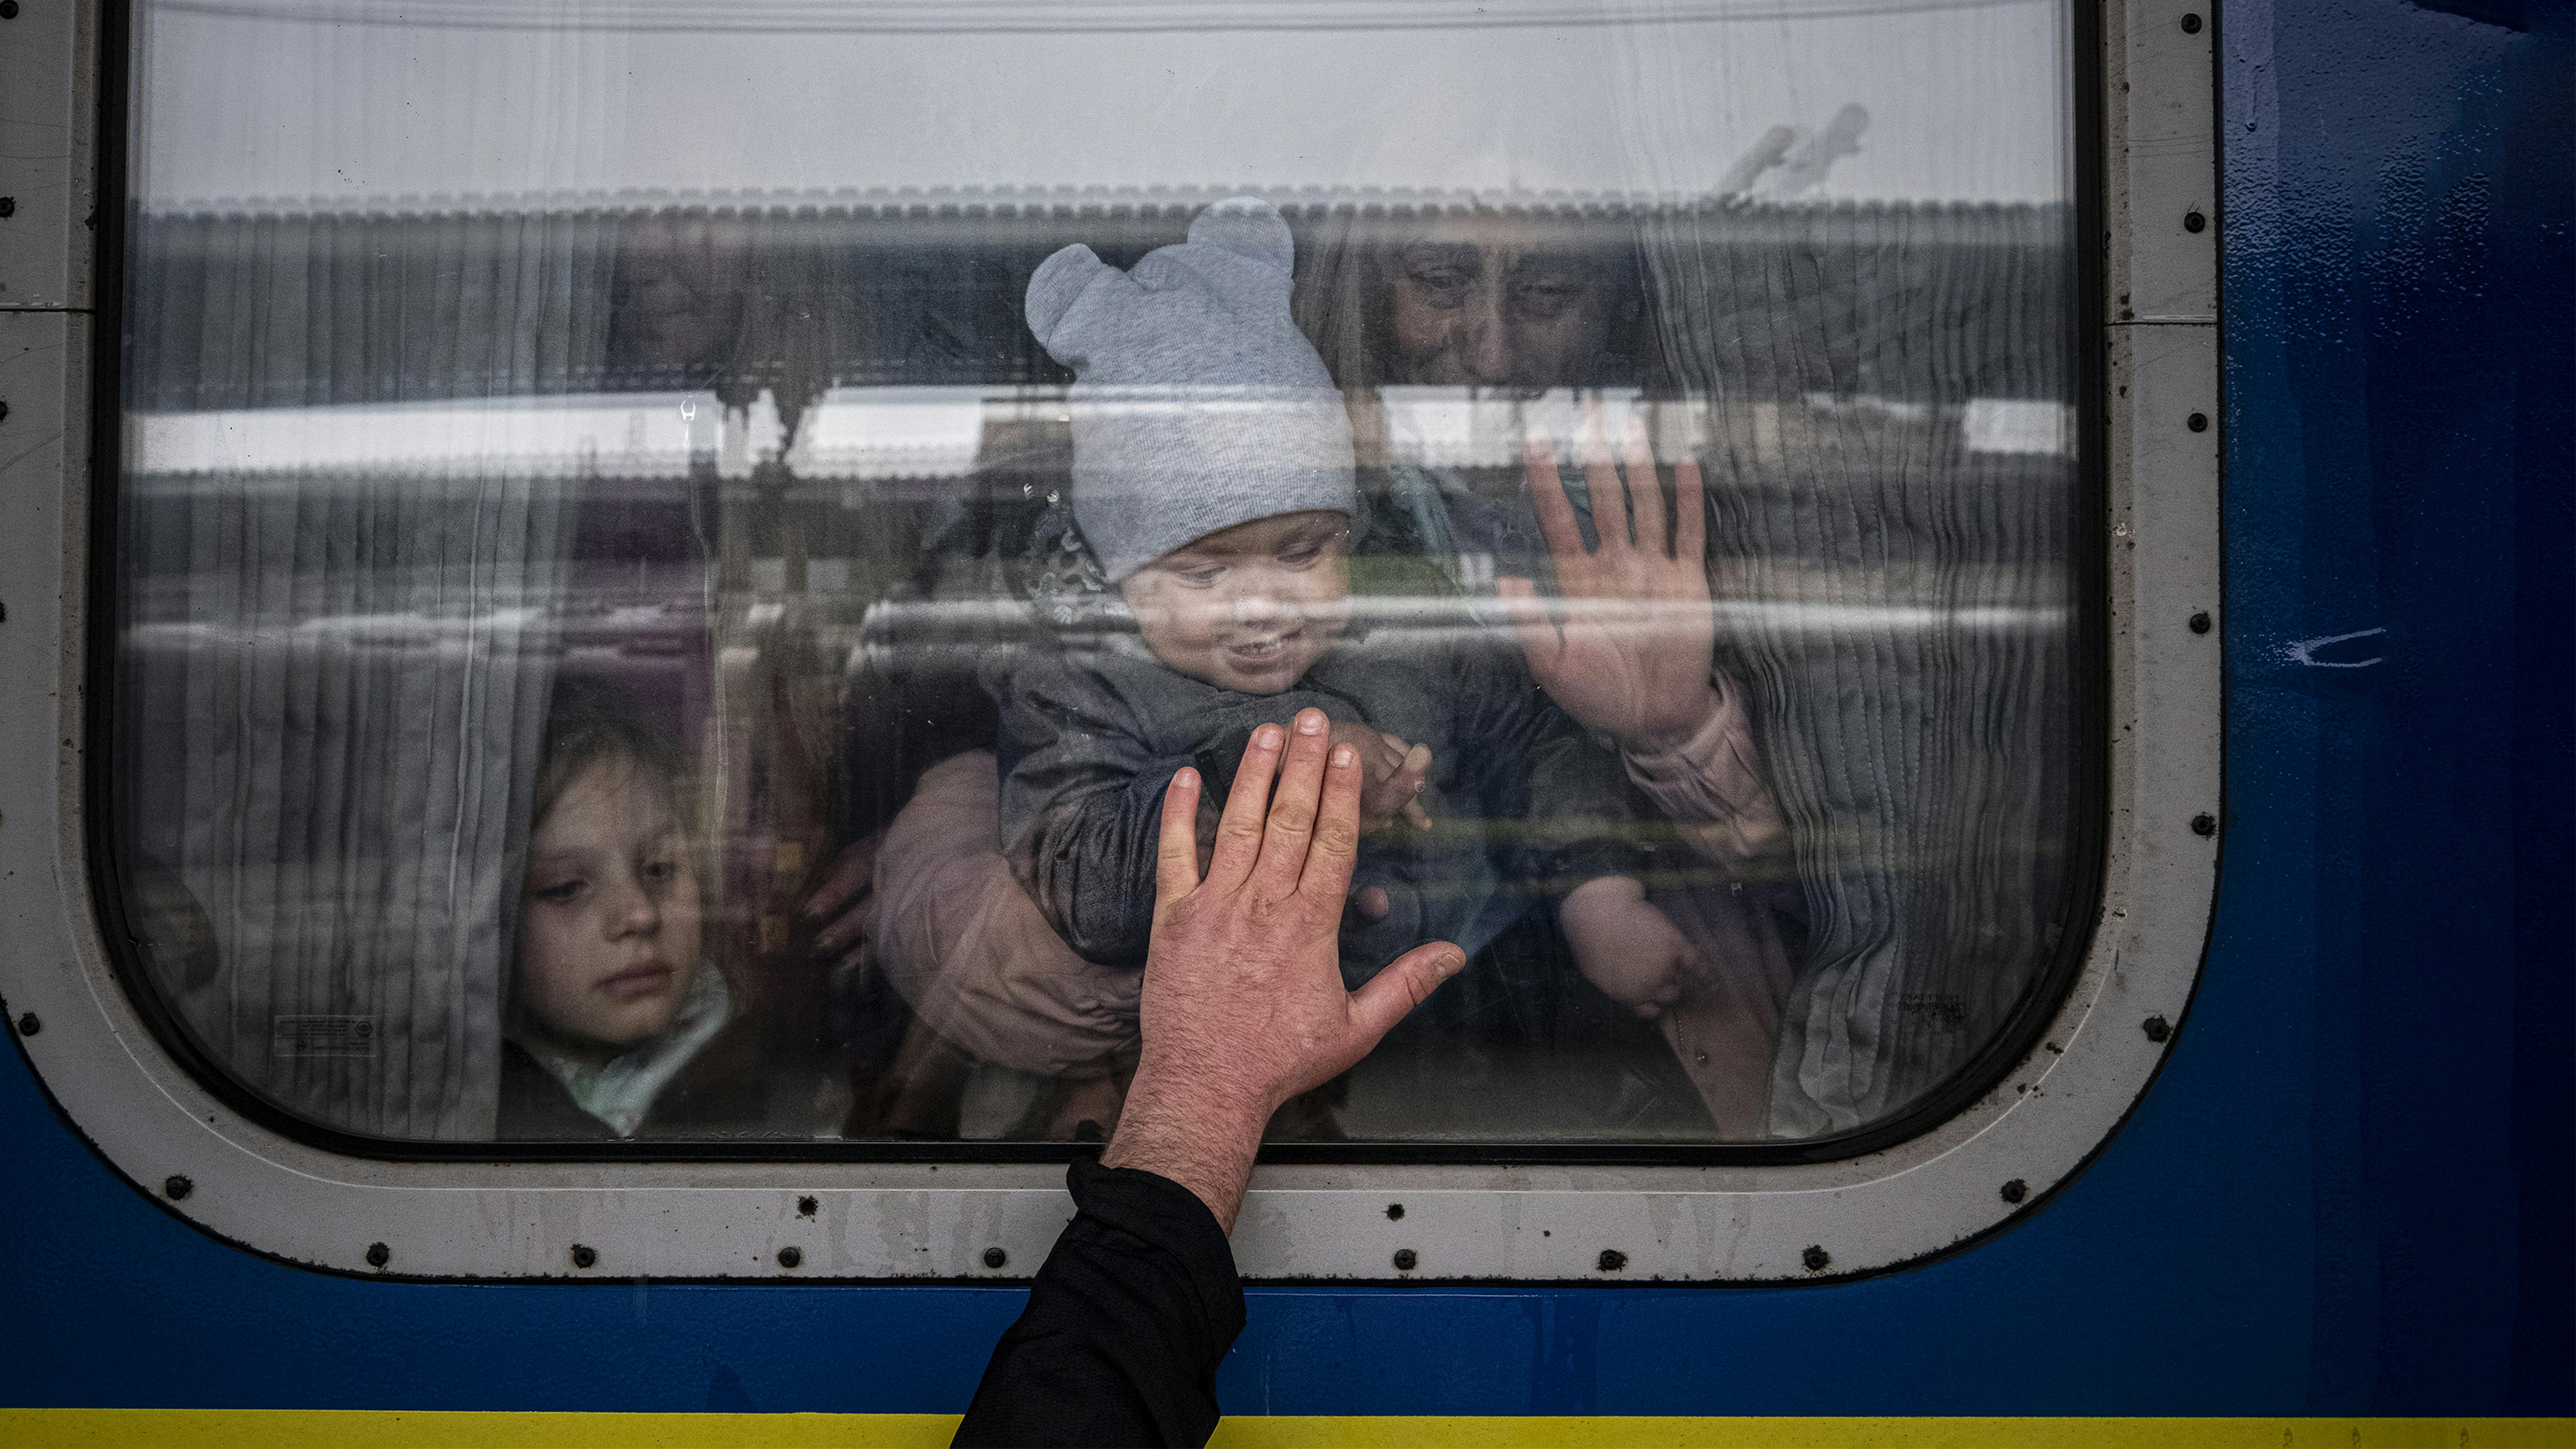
(1213, 480)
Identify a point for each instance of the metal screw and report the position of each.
(28, 1025)
(2016, 1190)
(175, 1187)
(2197, 422)
(583, 1255)
(2156, 1028)
(995, 1257)
(1395, 1212)
(789, 1257)
(1815, 1258)
(2191, 25)
(1404, 1260)
(2193, 221)
(805, 1207)
(2204, 824)
(8, 9)
(8, 206)
(378, 1254)
(1612, 1260)
(2200, 622)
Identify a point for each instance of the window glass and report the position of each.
(665, 561)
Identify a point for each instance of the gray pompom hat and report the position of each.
(1197, 403)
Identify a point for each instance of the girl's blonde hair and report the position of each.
(589, 720)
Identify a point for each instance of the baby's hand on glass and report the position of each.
(1392, 774)
(1625, 946)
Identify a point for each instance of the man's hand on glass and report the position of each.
(1627, 646)
(1244, 1005)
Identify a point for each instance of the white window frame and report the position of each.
(1998, 1158)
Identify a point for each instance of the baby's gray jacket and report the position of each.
(1524, 805)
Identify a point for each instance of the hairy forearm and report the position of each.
(1180, 1122)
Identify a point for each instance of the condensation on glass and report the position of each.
(609, 647)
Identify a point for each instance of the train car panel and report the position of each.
(2344, 1190)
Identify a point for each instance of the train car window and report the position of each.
(661, 571)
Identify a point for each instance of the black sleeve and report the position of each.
(1125, 1324)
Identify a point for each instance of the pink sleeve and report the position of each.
(1709, 783)
(961, 940)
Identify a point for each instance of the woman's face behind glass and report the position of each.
(1471, 303)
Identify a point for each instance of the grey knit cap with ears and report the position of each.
(1197, 404)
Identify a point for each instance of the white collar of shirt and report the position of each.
(620, 1091)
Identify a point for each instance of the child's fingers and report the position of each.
(1176, 852)
(1667, 991)
(1381, 756)
(1385, 757)
(1291, 824)
(1410, 776)
(1412, 771)
(1238, 830)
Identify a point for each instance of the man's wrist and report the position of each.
(1176, 1125)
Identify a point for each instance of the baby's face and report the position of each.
(608, 923)
(1251, 607)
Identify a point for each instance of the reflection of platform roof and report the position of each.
(919, 201)
(493, 297)
(1024, 17)
(878, 434)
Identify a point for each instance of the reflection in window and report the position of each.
(646, 614)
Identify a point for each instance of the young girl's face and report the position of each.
(1247, 608)
(608, 925)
